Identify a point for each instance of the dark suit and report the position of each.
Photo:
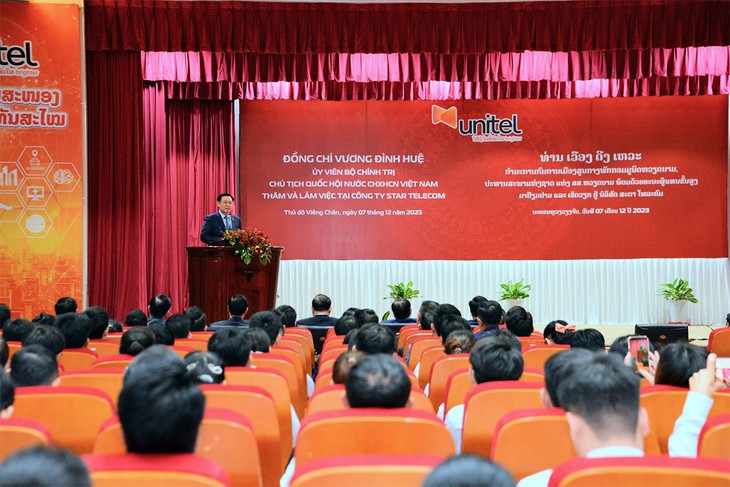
(213, 227)
(232, 322)
(408, 320)
(317, 320)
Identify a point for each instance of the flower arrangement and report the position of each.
(250, 243)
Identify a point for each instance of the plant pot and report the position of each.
(511, 303)
(678, 311)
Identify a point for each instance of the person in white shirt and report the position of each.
(601, 402)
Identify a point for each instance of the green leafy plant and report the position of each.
(400, 290)
(515, 290)
(677, 291)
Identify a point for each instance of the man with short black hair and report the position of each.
(474, 304)
(7, 395)
(401, 309)
(426, 306)
(378, 381)
(5, 314)
(374, 338)
(43, 318)
(75, 328)
(489, 316)
(590, 339)
(321, 309)
(160, 405)
(364, 316)
(44, 466)
(98, 322)
(198, 318)
(136, 317)
(287, 314)
(270, 323)
(519, 321)
(16, 330)
(237, 308)
(179, 326)
(158, 308)
(232, 345)
(46, 336)
(216, 224)
(65, 305)
(34, 365)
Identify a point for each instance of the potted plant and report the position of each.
(677, 293)
(249, 244)
(400, 290)
(514, 293)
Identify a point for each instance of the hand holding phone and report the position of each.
(639, 351)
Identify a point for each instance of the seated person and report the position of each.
(136, 317)
(135, 340)
(401, 309)
(198, 318)
(676, 364)
(43, 319)
(558, 332)
(343, 364)
(98, 322)
(4, 353)
(158, 308)
(163, 334)
(321, 309)
(46, 336)
(260, 341)
(75, 328)
(492, 359)
(559, 368)
(365, 316)
(345, 324)
(34, 365)
(207, 367)
(232, 346)
(7, 395)
(489, 316)
(270, 322)
(179, 325)
(237, 308)
(16, 330)
(474, 304)
(378, 381)
(44, 466)
(287, 314)
(590, 339)
(468, 471)
(374, 338)
(519, 321)
(66, 304)
(160, 405)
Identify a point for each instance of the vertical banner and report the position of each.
(41, 139)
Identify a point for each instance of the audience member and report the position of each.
(198, 318)
(519, 321)
(378, 381)
(43, 319)
(426, 306)
(445, 324)
(270, 322)
(468, 471)
(401, 309)
(4, 353)
(65, 305)
(365, 316)
(135, 340)
(559, 368)
(98, 322)
(75, 328)
(46, 336)
(163, 334)
(160, 405)
(474, 304)
(44, 466)
(16, 330)
(601, 400)
(343, 364)
(489, 316)
(287, 314)
(237, 308)
(232, 345)
(207, 367)
(179, 325)
(590, 339)
(373, 338)
(344, 324)
(321, 309)
(158, 308)
(7, 396)
(136, 317)
(558, 332)
(260, 341)
(678, 362)
(459, 341)
(503, 333)
(34, 365)
(4, 314)
(116, 326)
(492, 359)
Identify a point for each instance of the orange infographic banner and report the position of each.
(41, 156)
(514, 179)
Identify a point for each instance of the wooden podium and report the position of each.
(217, 273)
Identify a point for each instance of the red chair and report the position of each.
(106, 380)
(536, 355)
(441, 370)
(150, 470)
(391, 470)
(419, 345)
(458, 386)
(330, 398)
(118, 361)
(714, 438)
(19, 433)
(362, 431)
(719, 342)
(286, 367)
(403, 333)
(428, 357)
(77, 358)
(649, 470)
(104, 347)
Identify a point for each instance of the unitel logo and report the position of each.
(487, 129)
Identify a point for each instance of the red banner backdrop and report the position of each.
(520, 179)
(41, 140)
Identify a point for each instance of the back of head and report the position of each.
(474, 304)
(287, 314)
(163, 334)
(43, 466)
(44, 319)
(65, 305)
(160, 405)
(590, 339)
(426, 320)
(232, 345)
(198, 318)
(16, 330)
(7, 392)
(678, 362)
(206, 367)
(4, 353)
(260, 341)
(33, 365)
(343, 364)
(374, 338)
(344, 324)
(366, 315)
(47, 336)
(459, 341)
(468, 471)
(495, 359)
(401, 308)
(503, 333)
(605, 393)
(269, 322)
(115, 326)
(75, 328)
(4, 314)
(321, 303)
(237, 305)
(490, 313)
(560, 367)
(557, 332)
(136, 339)
(378, 381)
(136, 317)
(427, 305)
(98, 321)
(519, 321)
(445, 324)
(160, 305)
(179, 325)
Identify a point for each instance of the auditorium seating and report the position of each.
(20, 433)
(532, 375)
(419, 344)
(331, 352)
(199, 344)
(299, 346)
(118, 361)
(719, 342)
(77, 358)
(72, 414)
(104, 347)
(164, 470)
(287, 368)
(535, 356)
(428, 357)
(106, 380)
(714, 438)
(441, 370)
(457, 387)
(12, 348)
(375, 470)
(648, 470)
(331, 398)
(404, 333)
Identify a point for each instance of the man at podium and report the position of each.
(217, 223)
